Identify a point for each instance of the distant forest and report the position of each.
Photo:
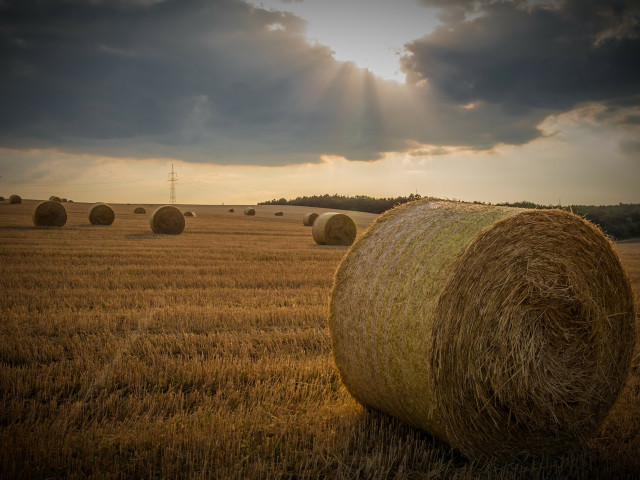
(620, 221)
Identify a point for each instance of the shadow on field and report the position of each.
(329, 247)
(141, 236)
(393, 449)
(29, 227)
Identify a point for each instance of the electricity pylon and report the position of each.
(173, 178)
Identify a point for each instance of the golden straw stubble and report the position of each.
(49, 214)
(101, 214)
(168, 220)
(334, 229)
(504, 332)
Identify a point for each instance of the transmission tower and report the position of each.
(173, 178)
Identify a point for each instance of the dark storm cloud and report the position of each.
(526, 55)
(205, 80)
(221, 81)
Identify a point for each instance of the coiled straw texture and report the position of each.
(101, 214)
(309, 218)
(504, 332)
(168, 220)
(334, 229)
(49, 214)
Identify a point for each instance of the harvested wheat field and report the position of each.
(207, 354)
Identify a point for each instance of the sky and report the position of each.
(485, 100)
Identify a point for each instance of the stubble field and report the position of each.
(207, 355)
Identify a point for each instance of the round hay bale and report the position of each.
(168, 220)
(1, 199)
(49, 214)
(53, 198)
(231, 210)
(15, 199)
(504, 332)
(70, 201)
(64, 200)
(101, 214)
(309, 218)
(189, 214)
(139, 210)
(279, 214)
(249, 211)
(334, 229)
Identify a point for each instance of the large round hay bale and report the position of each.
(101, 214)
(309, 218)
(249, 211)
(231, 210)
(504, 332)
(15, 199)
(279, 214)
(49, 214)
(334, 229)
(168, 220)
(139, 210)
(53, 198)
(1, 199)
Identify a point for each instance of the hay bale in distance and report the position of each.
(15, 199)
(1, 199)
(70, 201)
(168, 220)
(64, 200)
(139, 211)
(101, 214)
(279, 214)
(231, 210)
(49, 214)
(309, 218)
(53, 198)
(249, 211)
(504, 332)
(334, 229)
(189, 214)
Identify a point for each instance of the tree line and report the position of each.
(620, 221)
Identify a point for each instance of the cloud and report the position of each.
(526, 56)
(229, 83)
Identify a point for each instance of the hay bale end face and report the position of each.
(1, 199)
(334, 229)
(189, 214)
(167, 220)
(15, 199)
(101, 214)
(139, 211)
(53, 198)
(504, 332)
(249, 211)
(64, 200)
(309, 218)
(231, 210)
(279, 214)
(49, 214)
